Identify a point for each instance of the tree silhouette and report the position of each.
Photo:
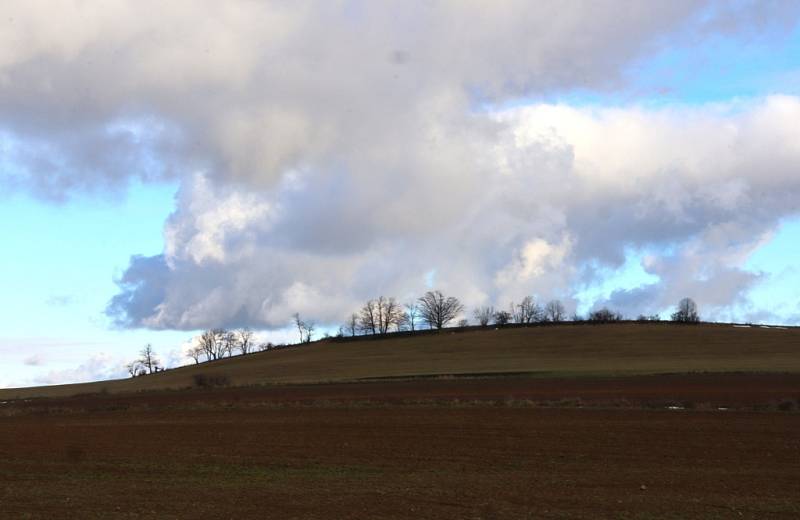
(437, 310)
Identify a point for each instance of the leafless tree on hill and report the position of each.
(228, 341)
(244, 340)
(437, 310)
(484, 315)
(687, 312)
(368, 318)
(502, 318)
(135, 368)
(195, 353)
(527, 312)
(352, 324)
(554, 311)
(304, 328)
(379, 316)
(300, 324)
(391, 314)
(411, 315)
(148, 359)
(212, 343)
(309, 327)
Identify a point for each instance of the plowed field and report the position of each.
(472, 448)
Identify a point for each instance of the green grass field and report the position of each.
(563, 350)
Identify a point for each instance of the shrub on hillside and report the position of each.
(210, 381)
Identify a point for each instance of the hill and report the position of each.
(564, 350)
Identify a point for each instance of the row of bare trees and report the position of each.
(525, 312)
(219, 343)
(385, 314)
(436, 311)
(382, 315)
(212, 344)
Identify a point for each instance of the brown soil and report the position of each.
(710, 391)
(365, 451)
(609, 350)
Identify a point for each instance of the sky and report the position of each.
(229, 164)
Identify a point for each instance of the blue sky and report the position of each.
(60, 262)
(62, 254)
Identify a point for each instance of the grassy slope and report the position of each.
(577, 350)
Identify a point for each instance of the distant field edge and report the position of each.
(540, 352)
(557, 375)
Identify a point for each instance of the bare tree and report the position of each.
(228, 340)
(484, 315)
(527, 311)
(244, 340)
(437, 310)
(300, 324)
(463, 322)
(368, 318)
(687, 312)
(309, 328)
(379, 316)
(390, 314)
(554, 311)
(208, 344)
(195, 353)
(266, 345)
(304, 328)
(148, 359)
(135, 368)
(352, 324)
(212, 343)
(411, 315)
(502, 318)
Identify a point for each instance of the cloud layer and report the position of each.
(328, 152)
(561, 190)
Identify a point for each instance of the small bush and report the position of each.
(211, 381)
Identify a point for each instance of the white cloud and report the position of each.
(34, 360)
(330, 152)
(556, 202)
(98, 367)
(91, 94)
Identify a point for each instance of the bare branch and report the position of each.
(437, 311)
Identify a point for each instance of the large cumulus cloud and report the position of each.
(93, 93)
(331, 151)
(559, 189)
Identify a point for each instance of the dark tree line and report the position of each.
(385, 314)
(219, 343)
(527, 312)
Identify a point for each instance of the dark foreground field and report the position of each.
(454, 448)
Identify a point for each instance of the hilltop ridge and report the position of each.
(570, 350)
